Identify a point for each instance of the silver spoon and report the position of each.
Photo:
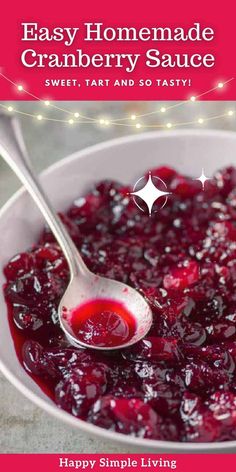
(84, 285)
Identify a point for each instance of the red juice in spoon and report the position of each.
(102, 322)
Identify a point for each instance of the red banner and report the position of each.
(124, 51)
(117, 462)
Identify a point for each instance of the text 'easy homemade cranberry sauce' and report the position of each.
(177, 384)
(102, 323)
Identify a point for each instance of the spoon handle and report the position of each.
(13, 151)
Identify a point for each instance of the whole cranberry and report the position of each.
(184, 187)
(19, 265)
(32, 354)
(182, 276)
(128, 416)
(165, 173)
(153, 348)
(199, 424)
(78, 391)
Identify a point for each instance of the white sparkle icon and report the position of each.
(202, 179)
(150, 193)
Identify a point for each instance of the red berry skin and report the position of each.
(164, 173)
(184, 187)
(19, 265)
(127, 416)
(199, 424)
(77, 392)
(182, 277)
(153, 348)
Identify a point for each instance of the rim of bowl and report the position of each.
(52, 409)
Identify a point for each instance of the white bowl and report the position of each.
(123, 159)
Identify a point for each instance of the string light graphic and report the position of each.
(106, 123)
(132, 121)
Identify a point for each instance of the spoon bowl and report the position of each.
(93, 287)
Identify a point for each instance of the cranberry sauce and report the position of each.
(104, 323)
(179, 383)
